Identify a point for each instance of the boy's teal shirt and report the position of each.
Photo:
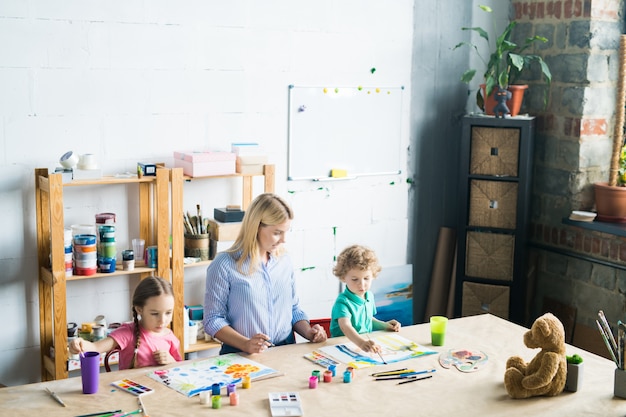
(359, 310)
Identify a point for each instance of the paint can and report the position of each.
(98, 332)
(151, 256)
(216, 401)
(128, 259)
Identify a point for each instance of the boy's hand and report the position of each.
(369, 346)
(394, 325)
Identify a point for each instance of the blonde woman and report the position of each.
(250, 302)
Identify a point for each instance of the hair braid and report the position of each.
(133, 363)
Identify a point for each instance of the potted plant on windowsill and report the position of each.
(506, 63)
(610, 197)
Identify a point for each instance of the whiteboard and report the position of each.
(357, 129)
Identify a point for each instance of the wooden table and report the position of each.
(448, 393)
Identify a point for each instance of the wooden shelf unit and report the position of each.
(153, 227)
(177, 180)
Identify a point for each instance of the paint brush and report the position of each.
(378, 351)
(199, 219)
(142, 406)
(56, 397)
(607, 329)
(607, 343)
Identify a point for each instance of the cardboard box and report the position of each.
(223, 231)
(204, 164)
(228, 216)
(147, 170)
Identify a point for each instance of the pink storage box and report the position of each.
(203, 164)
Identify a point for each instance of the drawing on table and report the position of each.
(192, 378)
(395, 348)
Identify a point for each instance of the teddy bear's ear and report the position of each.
(542, 325)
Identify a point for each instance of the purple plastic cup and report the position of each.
(90, 371)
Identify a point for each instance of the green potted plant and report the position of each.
(610, 197)
(574, 372)
(507, 61)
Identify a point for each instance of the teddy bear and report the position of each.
(546, 373)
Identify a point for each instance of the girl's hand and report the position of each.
(394, 325)
(162, 357)
(76, 346)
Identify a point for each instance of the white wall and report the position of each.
(136, 80)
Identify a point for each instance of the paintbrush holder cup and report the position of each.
(197, 246)
(619, 389)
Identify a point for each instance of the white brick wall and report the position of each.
(135, 80)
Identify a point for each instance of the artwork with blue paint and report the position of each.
(394, 348)
(393, 293)
(192, 378)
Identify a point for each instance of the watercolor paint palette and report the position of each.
(132, 387)
(285, 404)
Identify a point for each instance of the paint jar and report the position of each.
(234, 398)
(316, 373)
(215, 389)
(216, 401)
(247, 382)
(106, 265)
(128, 260)
(101, 320)
(313, 382)
(328, 376)
(347, 376)
(230, 388)
(204, 397)
(98, 332)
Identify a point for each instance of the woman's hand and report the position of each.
(317, 334)
(258, 343)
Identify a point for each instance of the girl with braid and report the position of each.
(147, 340)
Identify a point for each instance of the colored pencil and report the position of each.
(101, 413)
(415, 379)
(395, 371)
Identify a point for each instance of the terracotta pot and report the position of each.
(610, 203)
(514, 104)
